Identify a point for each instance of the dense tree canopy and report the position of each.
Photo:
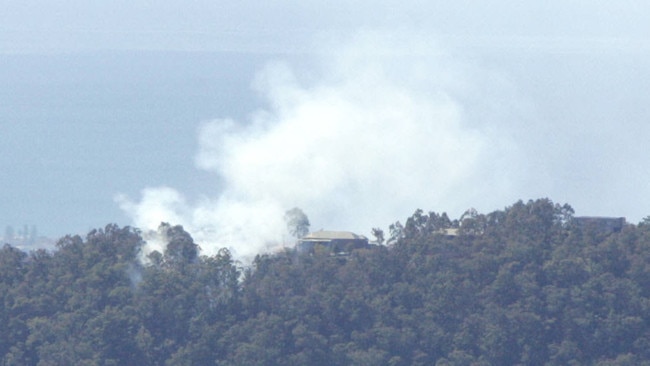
(523, 285)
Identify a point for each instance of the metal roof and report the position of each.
(333, 235)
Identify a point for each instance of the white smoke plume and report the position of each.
(382, 125)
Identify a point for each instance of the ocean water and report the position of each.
(76, 129)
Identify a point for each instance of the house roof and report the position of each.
(333, 235)
(450, 231)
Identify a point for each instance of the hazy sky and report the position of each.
(222, 115)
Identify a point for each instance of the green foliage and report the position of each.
(180, 248)
(297, 222)
(519, 286)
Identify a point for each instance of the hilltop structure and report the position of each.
(604, 225)
(337, 242)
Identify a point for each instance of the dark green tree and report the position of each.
(297, 222)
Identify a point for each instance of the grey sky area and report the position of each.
(206, 113)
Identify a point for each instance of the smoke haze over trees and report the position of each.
(297, 222)
(549, 98)
(522, 285)
(374, 125)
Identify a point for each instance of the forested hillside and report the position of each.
(524, 285)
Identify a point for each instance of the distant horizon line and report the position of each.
(241, 42)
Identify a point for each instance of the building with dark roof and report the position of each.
(604, 225)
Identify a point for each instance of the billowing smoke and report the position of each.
(382, 125)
